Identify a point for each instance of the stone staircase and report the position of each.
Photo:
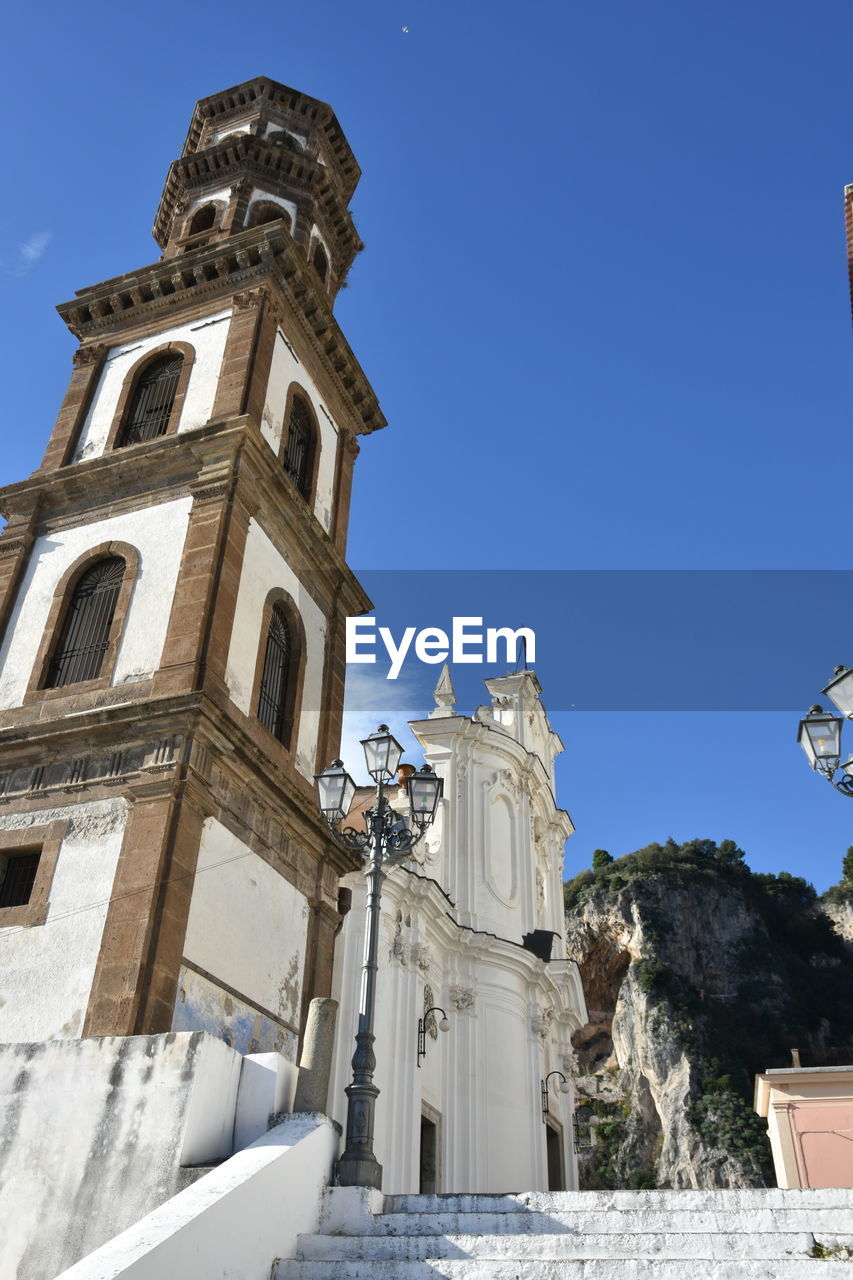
(587, 1235)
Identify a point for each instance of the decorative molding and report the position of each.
(91, 354)
(211, 493)
(163, 753)
(429, 1001)
(234, 263)
(571, 1064)
(540, 1023)
(10, 546)
(462, 998)
(250, 300)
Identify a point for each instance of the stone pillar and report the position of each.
(332, 696)
(348, 450)
(315, 1065)
(246, 362)
(15, 545)
(198, 580)
(88, 363)
(136, 978)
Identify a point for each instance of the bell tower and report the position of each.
(173, 596)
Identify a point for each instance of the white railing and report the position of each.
(236, 1220)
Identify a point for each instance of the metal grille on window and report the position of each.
(153, 397)
(272, 703)
(19, 876)
(297, 455)
(86, 630)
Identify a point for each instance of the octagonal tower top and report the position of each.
(261, 153)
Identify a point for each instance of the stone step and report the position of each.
(553, 1247)
(597, 1201)
(565, 1269)
(617, 1221)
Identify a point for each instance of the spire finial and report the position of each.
(444, 694)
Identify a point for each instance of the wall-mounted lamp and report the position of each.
(444, 1025)
(564, 1087)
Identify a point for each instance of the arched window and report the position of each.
(321, 262)
(299, 450)
(151, 403)
(275, 696)
(85, 634)
(263, 211)
(203, 219)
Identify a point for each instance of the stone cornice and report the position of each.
(175, 466)
(268, 162)
(214, 273)
(559, 979)
(262, 91)
(490, 735)
(143, 742)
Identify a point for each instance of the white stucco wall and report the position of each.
(95, 1132)
(158, 534)
(481, 1079)
(498, 838)
(265, 568)
(286, 369)
(47, 970)
(234, 1222)
(207, 338)
(248, 928)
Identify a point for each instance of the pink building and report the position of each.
(809, 1113)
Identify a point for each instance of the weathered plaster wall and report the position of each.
(94, 1134)
(247, 930)
(237, 1219)
(47, 970)
(263, 569)
(285, 370)
(158, 534)
(206, 337)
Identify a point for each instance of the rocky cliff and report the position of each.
(698, 974)
(840, 912)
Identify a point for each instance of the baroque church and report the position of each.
(173, 597)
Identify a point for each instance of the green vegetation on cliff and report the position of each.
(793, 972)
(841, 892)
(737, 1003)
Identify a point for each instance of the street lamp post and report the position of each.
(820, 733)
(386, 840)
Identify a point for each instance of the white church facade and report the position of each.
(472, 926)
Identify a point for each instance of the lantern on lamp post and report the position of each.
(386, 840)
(819, 733)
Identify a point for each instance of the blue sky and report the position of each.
(603, 302)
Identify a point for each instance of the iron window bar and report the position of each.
(19, 877)
(85, 634)
(275, 678)
(152, 402)
(298, 449)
